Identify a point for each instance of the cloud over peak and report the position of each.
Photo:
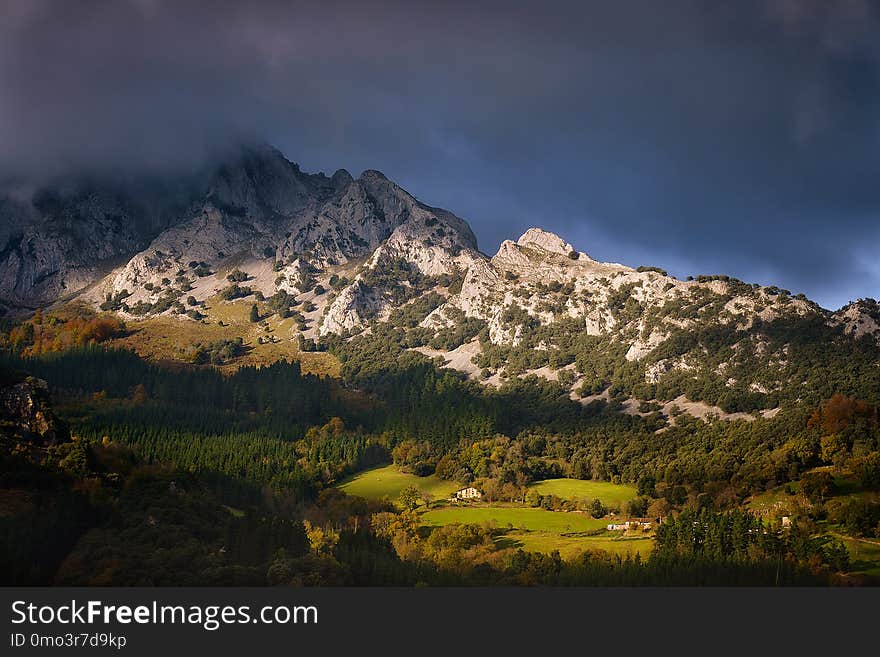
(726, 137)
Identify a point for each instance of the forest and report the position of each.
(259, 451)
(185, 474)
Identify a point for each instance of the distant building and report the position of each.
(469, 493)
(632, 523)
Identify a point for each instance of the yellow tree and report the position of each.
(321, 539)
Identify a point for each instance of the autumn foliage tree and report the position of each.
(47, 334)
(840, 412)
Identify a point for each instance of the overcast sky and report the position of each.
(703, 137)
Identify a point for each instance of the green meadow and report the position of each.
(537, 530)
(569, 545)
(864, 555)
(388, 481)
(532, 529)
(516, 517)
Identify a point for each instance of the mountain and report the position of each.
(271, 334)
(71, 233)
(335, 260)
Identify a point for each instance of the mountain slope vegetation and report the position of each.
(253, 335)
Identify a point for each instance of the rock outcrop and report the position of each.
(26, 413)
(70, 237)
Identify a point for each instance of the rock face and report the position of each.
(541, 239)
(339, 253)
(71, 234)
(25, 412)
(65, 236)
(859, 318)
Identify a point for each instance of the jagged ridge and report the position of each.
(339, 253)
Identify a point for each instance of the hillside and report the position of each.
(289, 263)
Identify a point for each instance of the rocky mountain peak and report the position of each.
(547, 241)
(253, 205)
(341, 179)
(340, 255)
(371, 175)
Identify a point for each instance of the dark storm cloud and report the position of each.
(705, 137)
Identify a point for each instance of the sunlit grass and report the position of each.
(569, 546)
(388, 481)
(516, 517)
(165, 338)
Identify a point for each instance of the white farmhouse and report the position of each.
(469, 493)
(633, 523)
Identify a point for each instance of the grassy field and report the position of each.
(569, 489)
(569, 546)
(388, 481)
(864, 555)
(163, 338)
(538, 530)
(777, 502)
(535, 530)
(517, 517)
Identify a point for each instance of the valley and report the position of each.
(516, 525)
(282, 378)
